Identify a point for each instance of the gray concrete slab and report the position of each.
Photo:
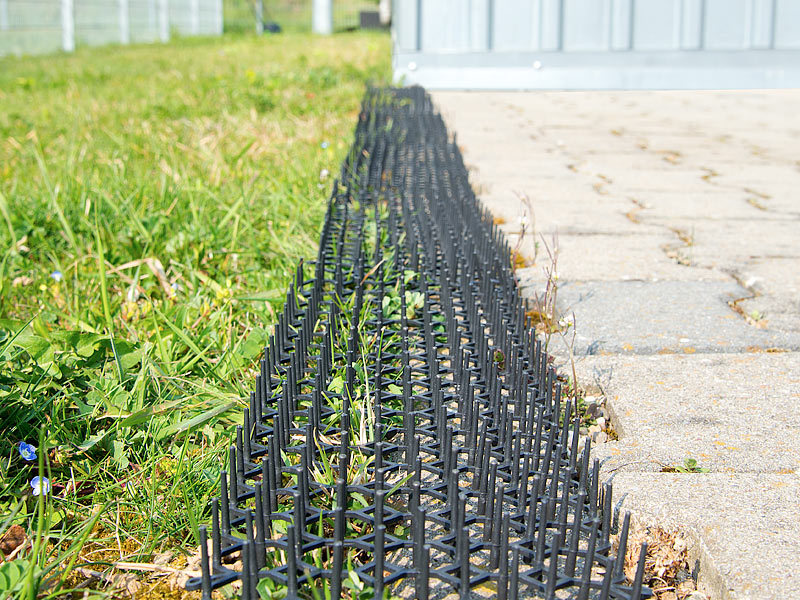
(745, 527)
(728, 244)
(669, 205)
(640, 317)
(608, 257)
(773, 276)
(779, 314)
(775, 285)
(684, 205)
(733, 413)
(563, 214)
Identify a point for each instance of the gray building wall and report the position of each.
(597, 44)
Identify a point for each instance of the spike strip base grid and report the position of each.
(406, 426)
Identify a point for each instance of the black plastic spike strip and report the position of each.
(407, 432)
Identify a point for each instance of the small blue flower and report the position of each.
(57, 275)
(40, 485)
(324, 145)
(27, 451)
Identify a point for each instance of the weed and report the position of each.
(689, 466)
(755, 317)
(543, 314)
(527, 223)
(547, 321)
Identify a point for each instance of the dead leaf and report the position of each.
(686, 588)
(158, 270)
(12, 539)
(667, 555)
(127, 583)
(22, 280)
(179, 578)
(163, 558)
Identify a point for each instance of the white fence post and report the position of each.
(152, 11)
(219, 16)
(259, 17)
(124, 23)
(3, 15)
(322, 17)
(194, 16)
(67, 26)
(163, 20)
(385, 12)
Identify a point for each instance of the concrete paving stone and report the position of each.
(547, 181)
(561, 189)
(588, 216)
(636, 317)
(642, 182)
(659, 114)
(724, 152)
(745, 527)
(700, 144)
(656, 106)
(776, 198)
(722, 169)
(729, 243)
(546, 164)
(730, 412)
(758, 174)
(778, 313)
(690, 203)
(603, 257)
(595, 163)
(662, 164)
(576, 142)
(774, 276)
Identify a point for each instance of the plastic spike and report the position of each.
(472, 457)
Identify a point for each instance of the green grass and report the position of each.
(291, 15)
(174, 188)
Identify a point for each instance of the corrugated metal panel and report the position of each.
(591, 44)
(787, 24)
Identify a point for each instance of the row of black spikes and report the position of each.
(475, 473)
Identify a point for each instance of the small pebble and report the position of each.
(600, 437)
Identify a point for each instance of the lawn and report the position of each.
(154, 202)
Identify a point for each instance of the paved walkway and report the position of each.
(678, 223)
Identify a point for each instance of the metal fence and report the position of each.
(41, 26)
(592, 44)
